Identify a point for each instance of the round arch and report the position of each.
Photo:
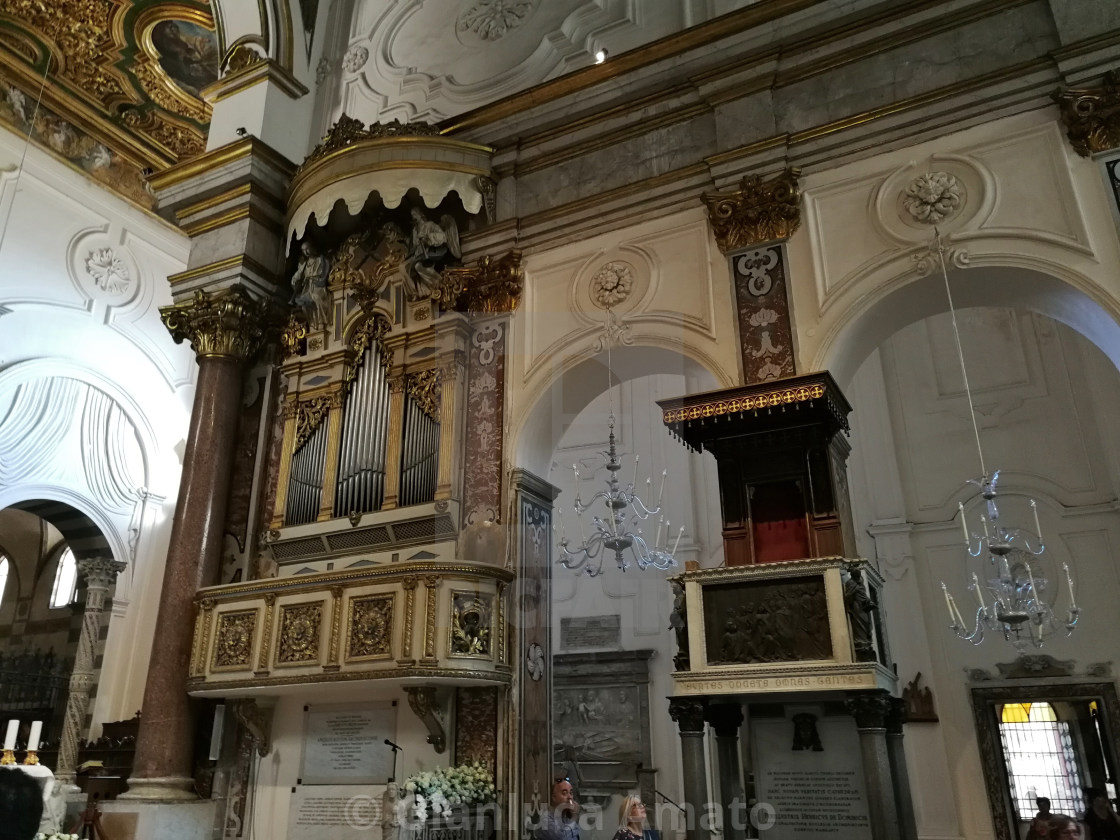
(86, 530)
(862, 329)
(556, 405)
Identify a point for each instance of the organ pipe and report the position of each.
(361, 471)
(305, 486)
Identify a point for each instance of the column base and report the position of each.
(169, 789)
(135, 820)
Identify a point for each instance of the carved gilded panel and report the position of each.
(301, 631)
(369, 628)
(472, 618)
(233, 642)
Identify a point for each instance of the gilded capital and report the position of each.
(1092, 115)
(487, 286)
(759, 211)
(230, 322)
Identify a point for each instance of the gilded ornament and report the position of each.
(365, 262)
(759, 211)
(311, 415)
(1092, 115)
(226, 323)
(348, 131)
(293, 337)
(369, 627)
(372, 331)
(241, 57)
(233, 644)
(487, 286)
(471, 624)
(300, 630)
(422, 701)
(431, 582)
(424, 387)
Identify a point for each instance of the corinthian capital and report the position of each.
(1092, 115)
(100, 571)
(230, 322)
(759, 211)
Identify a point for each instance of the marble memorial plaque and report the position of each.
(345, 744)
(336, 812)
(596, 631)
(813, 779)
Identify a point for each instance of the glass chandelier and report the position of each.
(1010, 602)
(616, 530)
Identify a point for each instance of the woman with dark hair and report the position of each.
(1064, 828)
(1100, 820)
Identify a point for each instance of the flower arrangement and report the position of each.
(56, 837)
(435, 792)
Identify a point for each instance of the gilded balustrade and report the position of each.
(443, 622)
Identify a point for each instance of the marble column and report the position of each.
(896, 751)
(726, 720)
(99, 574)
(870, 709)
(688, 712)
(225, 328)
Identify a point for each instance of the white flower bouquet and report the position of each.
(56, 837)
(433, 793)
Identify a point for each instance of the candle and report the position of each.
(1030, 577)
(956, 613)
(10, 737)
(1037, 527)
(660, 522)
(984, 522)
(36, 731)
(976, 587)
(680, 533)
(575, 471)
(634, 483)
(560, 520)
(948, 603)
(661, 492)
(964, 525)
(1069, 583)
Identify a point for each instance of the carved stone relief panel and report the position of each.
(482, 476)
(476, 725)
(767, 621)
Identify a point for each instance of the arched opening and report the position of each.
(41, 613)
(607, 728)
(1042, 358)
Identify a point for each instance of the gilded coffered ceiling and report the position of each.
(123, 82)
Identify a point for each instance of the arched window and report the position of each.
(65, 580)
(4, 567)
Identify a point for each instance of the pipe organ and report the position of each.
(365, 429)
(305, 485)
(420, 443)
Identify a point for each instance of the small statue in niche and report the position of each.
(678, 623)
(859, 607)
(470, 632)
(433, 246)
(805, 735)
(309, 286)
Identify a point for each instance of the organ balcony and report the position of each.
(792, 626)
(439, 622)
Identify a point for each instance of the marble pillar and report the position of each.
(870, 709)
(688, 712)
(225, 329)
(99, 574)
(896, 752)
(726, 720)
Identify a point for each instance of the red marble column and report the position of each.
(224, 330)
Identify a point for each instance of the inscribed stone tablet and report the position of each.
(817, 795)
(336, 812)
(591, 632)
(345, 744)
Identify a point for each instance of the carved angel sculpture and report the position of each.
(309, 286)
(433, 245)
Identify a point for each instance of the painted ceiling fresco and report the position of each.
(123, 83)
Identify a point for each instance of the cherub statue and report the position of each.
(432, 246)
(309, 286)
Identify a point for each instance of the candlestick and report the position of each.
(964, 525)
(1037, 527)
(1069, 583)
(10, 736)
(7, 758)
(31, 758)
